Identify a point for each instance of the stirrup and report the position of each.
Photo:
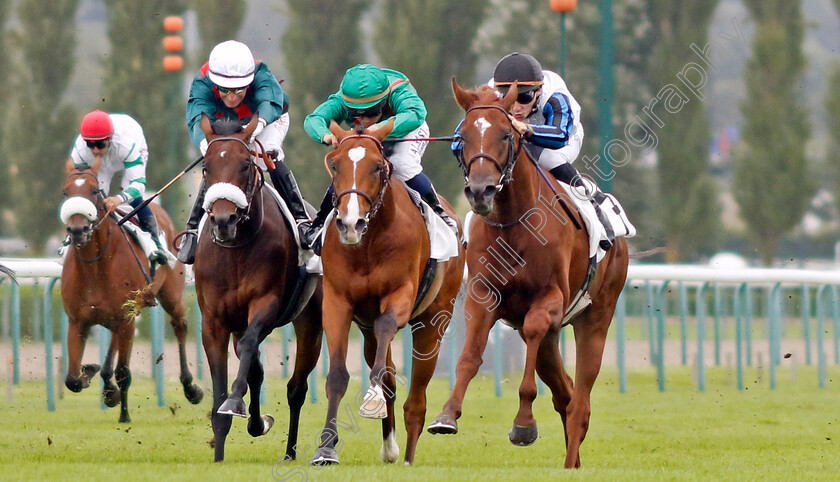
(186, 250)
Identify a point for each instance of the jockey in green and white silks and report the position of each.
(118, 140)
(232, 85)
(369, 97)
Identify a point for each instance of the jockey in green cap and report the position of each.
(369, 97)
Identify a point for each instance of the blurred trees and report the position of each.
(5, 110)
(430, 41)
(218, 20)
(323, 39)
(771, 173)
(832, 112)
(689, 208)
(44, 128)
(136, 84)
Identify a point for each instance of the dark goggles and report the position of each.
(226, 91)
(100, 144)
(523, 97)
(371, 111)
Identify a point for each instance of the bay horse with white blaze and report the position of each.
(375, 255)
(103, 270)
(532, 285)
(248, 282)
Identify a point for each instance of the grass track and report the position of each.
(791, 433)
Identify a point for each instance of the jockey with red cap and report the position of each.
(231, 84)
(118, 140)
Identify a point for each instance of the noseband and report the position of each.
(384, 177)
(254, 182)
(94, 225)
(506, 170)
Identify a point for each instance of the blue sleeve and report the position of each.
(559, 121)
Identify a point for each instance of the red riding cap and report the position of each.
(96, 126)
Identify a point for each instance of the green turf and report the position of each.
(790, 433)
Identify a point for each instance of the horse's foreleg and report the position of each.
(337, 319)
(78, 377)
(551, 371)
(215, 341)
(535, 326)
(478, 325)
(110, 392)
(257, 424)
(308, 332)
(125, 341)
(426, 345)
(261, 318)
(590, 337)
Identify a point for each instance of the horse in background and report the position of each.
(527, 272)
(105, 281)
(248, 283)
(375, 257)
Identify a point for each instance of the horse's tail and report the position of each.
(8, 272)
(647, 253)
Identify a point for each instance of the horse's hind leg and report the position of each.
(308, 332)
(171, 297)
(590, 336)
(125, 337)
(78, 377)
(551, 371)
(426, 345)
(110, 392)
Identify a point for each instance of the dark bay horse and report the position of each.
(104, 269)
(538, 263)
(248, 283)
(375, 255)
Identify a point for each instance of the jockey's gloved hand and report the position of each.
(257, 130)
(202, 146)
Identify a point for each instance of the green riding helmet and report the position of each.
(364, 90)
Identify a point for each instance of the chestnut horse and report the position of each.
(248, 282)
(533, 277)
(103, 270)
(374, 256)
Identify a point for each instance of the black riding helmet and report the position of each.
(520, 68)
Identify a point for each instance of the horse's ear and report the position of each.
(383, 131)
(463, 97)
(69, 166)
(205, 124)
(338, 132)
(249, 129)
(510, 98)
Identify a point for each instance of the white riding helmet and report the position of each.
(231, 65)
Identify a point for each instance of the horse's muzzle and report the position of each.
(481, 197)
(80, 235)
(223, 226)
(350, 232)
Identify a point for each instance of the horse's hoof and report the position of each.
(75, 385)
(523, 436)
(88, 371)
(233, 406)
(124, 418)
(267, 423)
(325, 456)
(443, 424)
(374, 405)
(111, 397)
(194, 394)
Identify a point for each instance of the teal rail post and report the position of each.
(408, 349)
(717, 306)
(313, 384)
(199, 343)
(701, 335)
(683, 323)
(157, 355)
(103, 339)
(48, 344)
(835, 310)
(285, 331)
(497, 360)
(774, 322)
(748, 312)
(15, 334)
(821, 369)
(563, 343)
(806, 321)
(662, 303)
(325, 356)
(650, 297)
(264, 384)
(739, 355)
(36, 315)
(620, 336)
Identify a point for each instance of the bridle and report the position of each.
(253, 186)
(384, 177)
(506, 176)
(94, 225)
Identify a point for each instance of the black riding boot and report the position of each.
(284, 182)
(309, 238)
(189, 241)
(150, 225)
(568, 174)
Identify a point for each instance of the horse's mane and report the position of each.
(226, 126)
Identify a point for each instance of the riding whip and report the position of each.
(164, 188)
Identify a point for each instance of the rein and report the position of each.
(384, 177)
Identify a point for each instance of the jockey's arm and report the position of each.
(317, 124)
(409, 111)
(560, 120)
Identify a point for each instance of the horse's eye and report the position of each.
(244, 167)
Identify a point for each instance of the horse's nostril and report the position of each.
(85, 229)
(489, 191)
(232, 219)
(360, 224)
